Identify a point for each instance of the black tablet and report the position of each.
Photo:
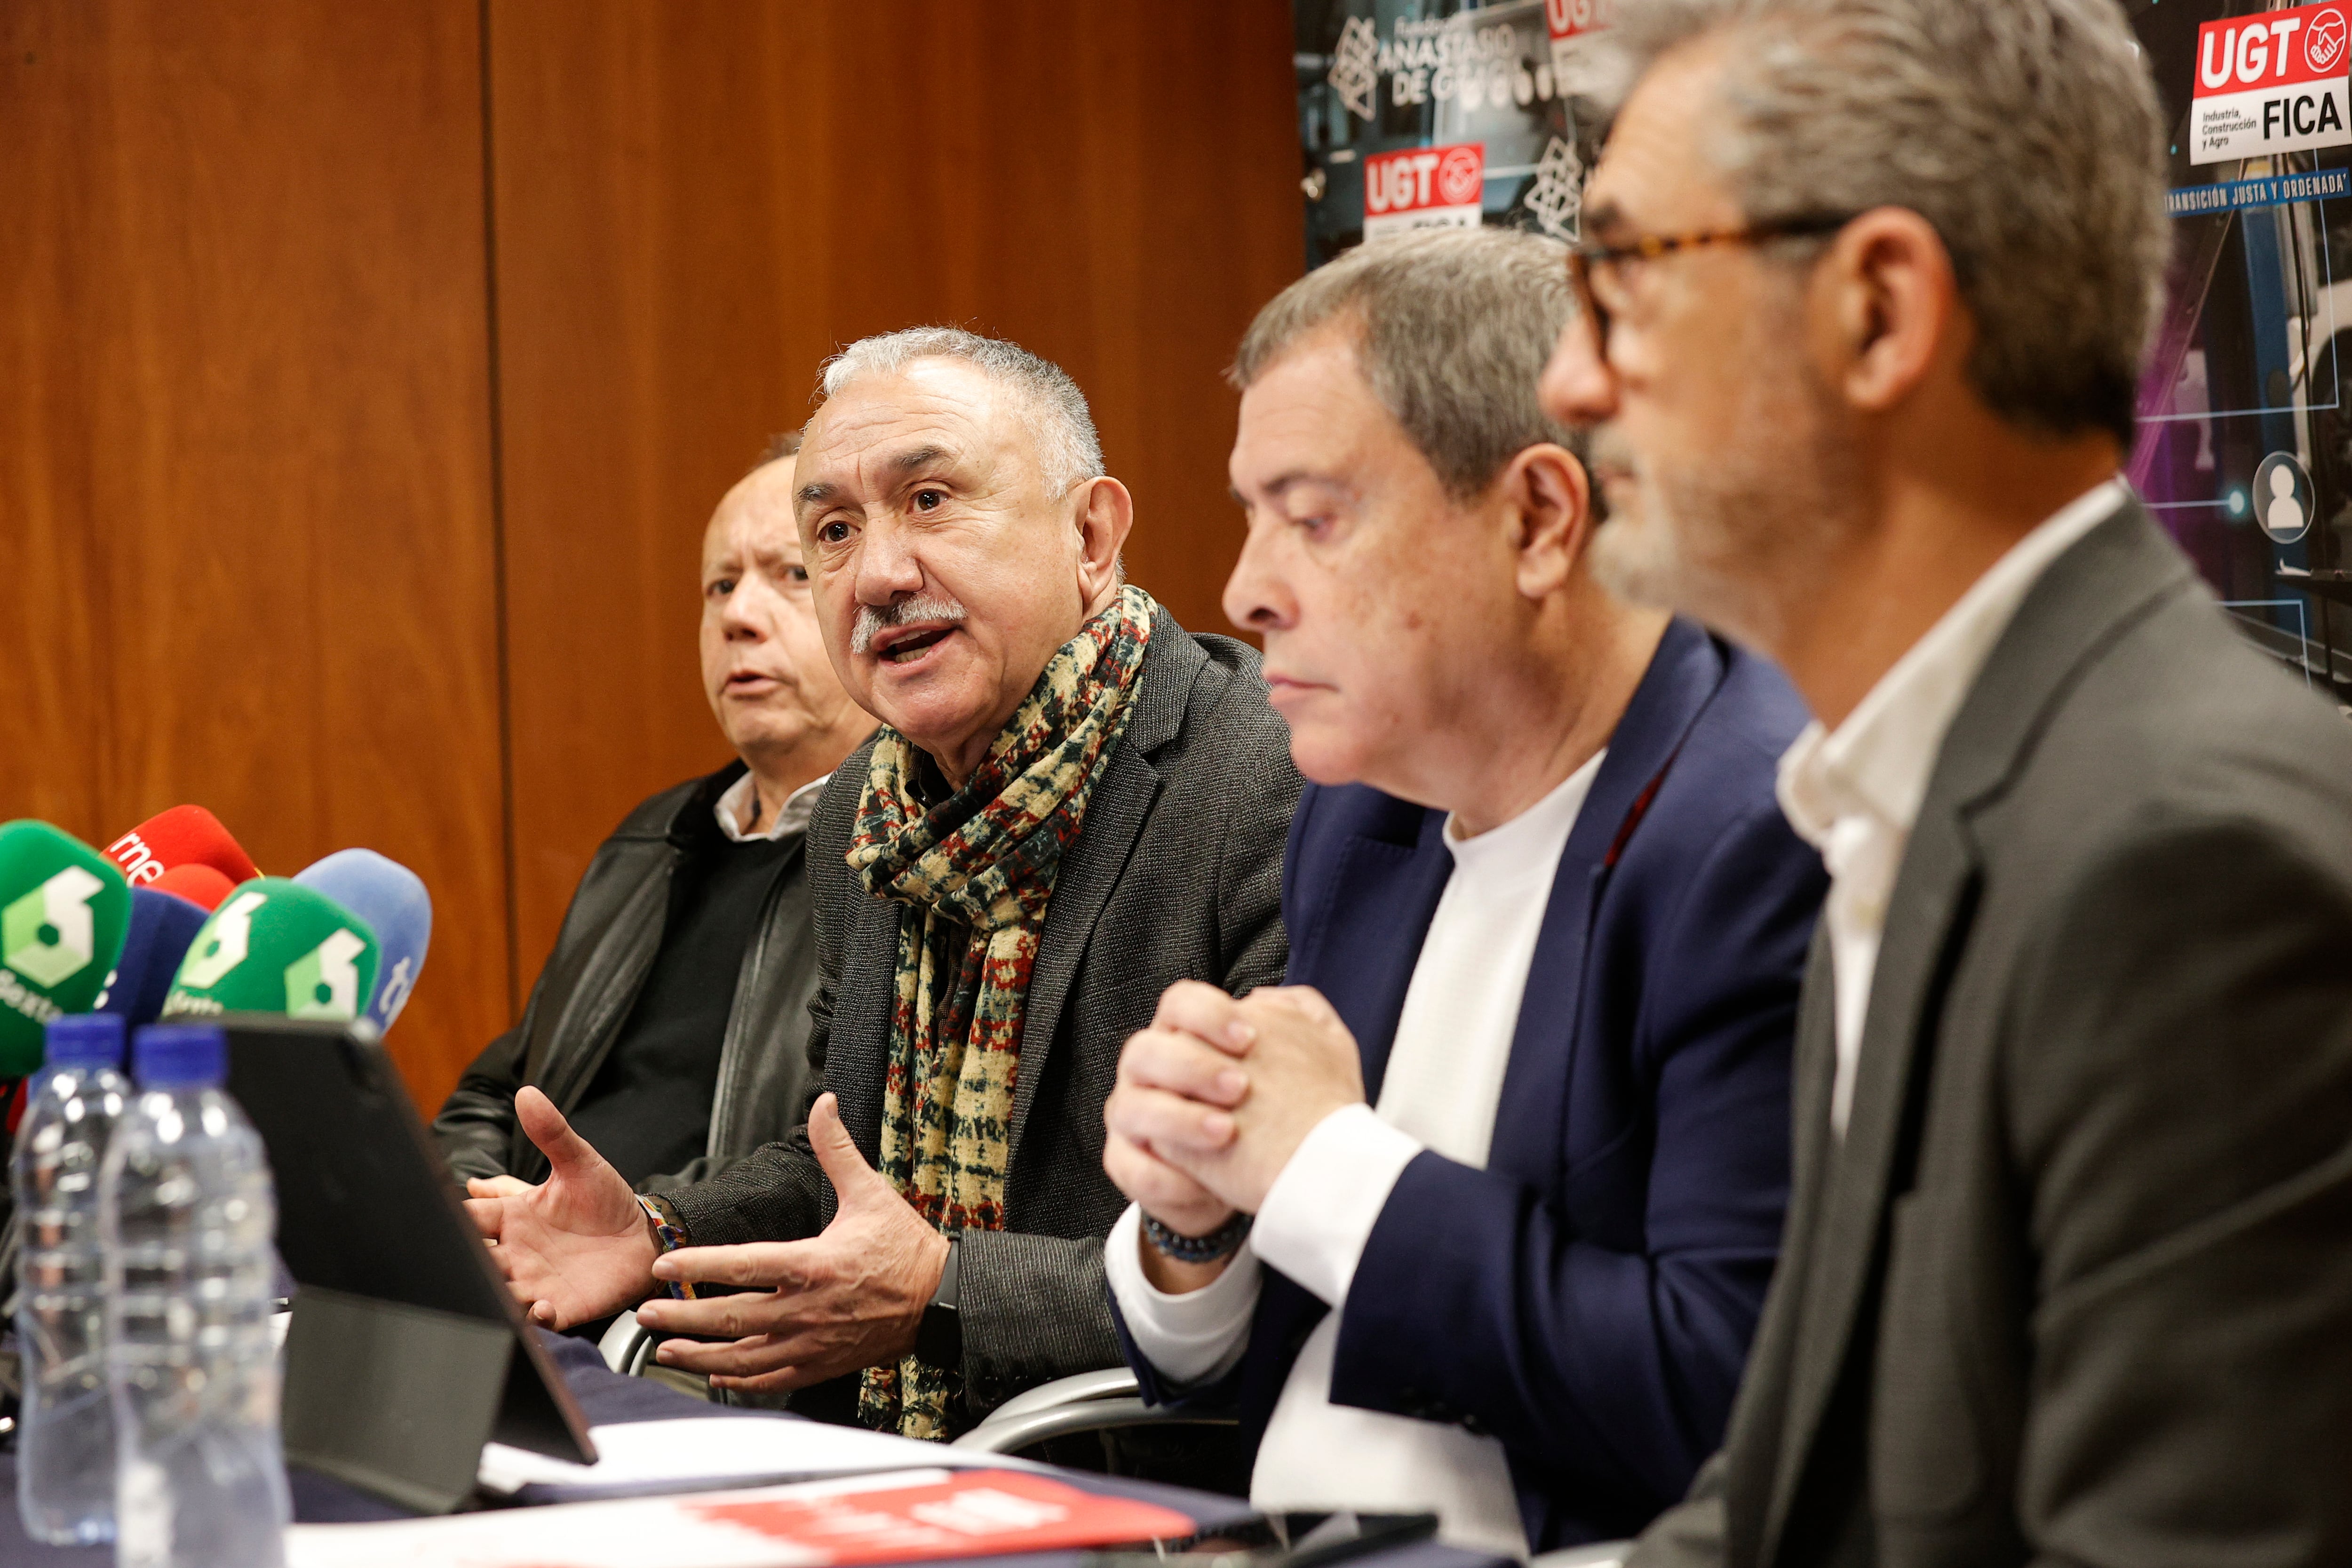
(405, 1352)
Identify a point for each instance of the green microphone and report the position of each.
(63, 911)
(275, 946)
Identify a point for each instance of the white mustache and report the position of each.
(872, 620)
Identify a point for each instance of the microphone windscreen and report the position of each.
(163, 926)
(63, 910)
(393, 900)
(183, 836)
(277, 948)
(200, 885)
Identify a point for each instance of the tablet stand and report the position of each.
(395, 1400)
(405, 1354)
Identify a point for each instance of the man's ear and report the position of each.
(1105, 513)
(1550, 500)
(1895, 308)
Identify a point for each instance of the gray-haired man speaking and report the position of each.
(2066, 1278)
(1072, 802)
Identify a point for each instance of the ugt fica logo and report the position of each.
(2271, 82)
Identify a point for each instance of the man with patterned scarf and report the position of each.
(1073, 802)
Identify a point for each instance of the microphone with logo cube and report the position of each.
(63, 912)
(278, 947)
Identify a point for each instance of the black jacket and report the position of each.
(582, 996)
(2077, 1286)
(1177, 873)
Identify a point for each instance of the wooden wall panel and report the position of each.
(697, 200)
(256, 380)
(246, 543)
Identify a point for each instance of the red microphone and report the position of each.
(200, 885)
(183, 836)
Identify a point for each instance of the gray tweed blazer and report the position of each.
(2077, 1286)
(1176, 874)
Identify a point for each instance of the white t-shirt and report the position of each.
(1440, 1092)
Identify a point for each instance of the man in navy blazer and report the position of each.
(1555, 934)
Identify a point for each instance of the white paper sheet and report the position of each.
(722, 1449)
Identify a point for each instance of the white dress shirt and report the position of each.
(742, 801)
(1854, 793)
(1440, 1092)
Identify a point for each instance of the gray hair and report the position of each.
(1068, 450)
(1456, 326)
(2026, 132)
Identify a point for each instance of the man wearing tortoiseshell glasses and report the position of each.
(2065, 1277)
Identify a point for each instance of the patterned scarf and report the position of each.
(974, 876)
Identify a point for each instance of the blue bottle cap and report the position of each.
(84, 1042)
(181, 1055)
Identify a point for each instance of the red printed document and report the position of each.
(910, 1516)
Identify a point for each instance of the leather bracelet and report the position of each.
(1225, 1239)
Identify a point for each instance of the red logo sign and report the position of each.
(1567, 18)
(1420, 177)
(2272, 50)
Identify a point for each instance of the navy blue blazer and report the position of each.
(1590, 1296)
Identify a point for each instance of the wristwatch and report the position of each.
(938, 1339)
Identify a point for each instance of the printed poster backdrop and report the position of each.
(2244, 448)
(1417, 112)
(1421, 113)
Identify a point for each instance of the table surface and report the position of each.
(606, 1399)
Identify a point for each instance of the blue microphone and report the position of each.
(392, 899)
(163, 926)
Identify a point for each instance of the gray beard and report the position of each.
(1739, 542)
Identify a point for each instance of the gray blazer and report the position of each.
(2077, 1287)
(1177, 873)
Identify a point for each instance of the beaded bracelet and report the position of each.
(669, 1235)
(1226, 1238)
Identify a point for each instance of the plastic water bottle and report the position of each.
(187, 1214)
(65, 1450)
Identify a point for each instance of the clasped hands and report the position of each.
(577, 1248)
(1214, 1099)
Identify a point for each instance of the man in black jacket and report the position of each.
(671, 1021)
(1074, 803)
